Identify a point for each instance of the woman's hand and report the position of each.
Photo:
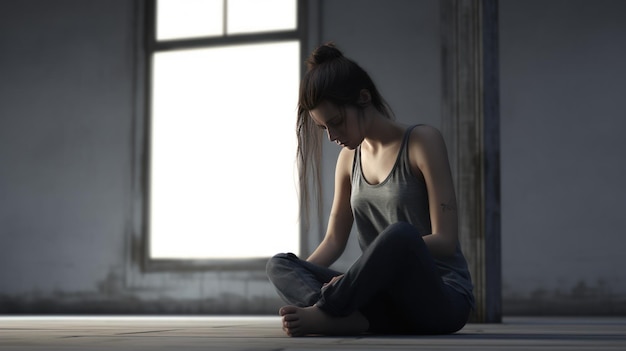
(332, 281)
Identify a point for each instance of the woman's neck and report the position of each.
(379, 130)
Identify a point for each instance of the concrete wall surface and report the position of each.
(70, 194)
(71, 108)
(66, 114)
(563, 82)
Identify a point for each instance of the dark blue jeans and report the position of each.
(395, 284)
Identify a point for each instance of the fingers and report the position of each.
(335, 279)
(332, 281)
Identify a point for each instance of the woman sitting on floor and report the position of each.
(394, 182)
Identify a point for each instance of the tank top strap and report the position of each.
(356, 163)
(405, 162)
(403, 157)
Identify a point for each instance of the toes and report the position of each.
(290, 317)
(291, 324)
(287, 310)
(294, 332)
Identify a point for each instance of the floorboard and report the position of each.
(264, 334)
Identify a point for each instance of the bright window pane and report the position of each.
(223, 147)
(247, 16)
(179, 19)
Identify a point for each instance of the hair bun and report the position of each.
(324, 53)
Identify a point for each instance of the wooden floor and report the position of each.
(264, 333)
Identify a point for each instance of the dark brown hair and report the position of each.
(331, 77)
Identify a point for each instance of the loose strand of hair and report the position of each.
(309, 155)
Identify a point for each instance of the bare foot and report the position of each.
(300, 321)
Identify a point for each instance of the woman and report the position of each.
(395, 183)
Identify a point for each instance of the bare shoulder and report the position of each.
(426, 134)
(427, 138)
(345, 160)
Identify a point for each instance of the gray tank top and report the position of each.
(401, 197)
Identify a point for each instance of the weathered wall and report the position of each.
(65, 128)
(68, 113)
(563, 83)
(70, 116)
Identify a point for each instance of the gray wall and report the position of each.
(70, 215)
(563, 84)
(66, 91)
(70, 119)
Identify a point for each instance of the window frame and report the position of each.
(152, 46)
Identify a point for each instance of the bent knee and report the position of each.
(401, 227)
(278, 261)
(402, 234)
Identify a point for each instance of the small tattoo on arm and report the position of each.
(448, 207)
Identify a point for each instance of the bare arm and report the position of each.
(341, 219)
(429, 152)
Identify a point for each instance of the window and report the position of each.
(223, 84)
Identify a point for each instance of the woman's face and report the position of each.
(341, 128)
